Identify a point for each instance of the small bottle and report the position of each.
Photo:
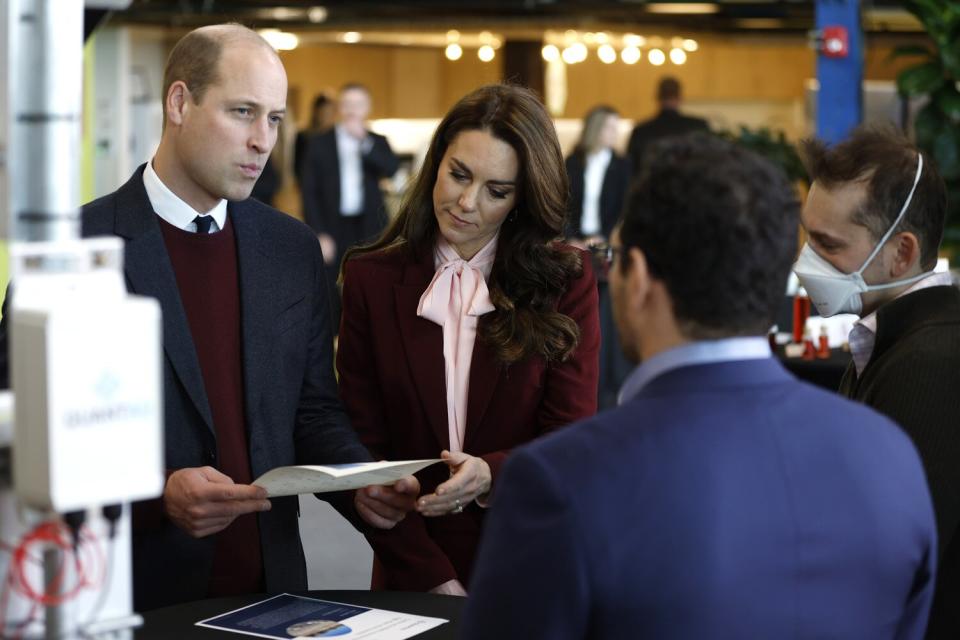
(801, 311)
(823, 347)
(809, 351)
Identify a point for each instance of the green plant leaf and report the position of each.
(927, 126)
(946, 151)
(930, 13)
(948, 102)
(920, 79)
(950, 57)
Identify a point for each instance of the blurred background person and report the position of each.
(668, 122)
(322, 118)
(340, 183)
(467, 328)
(599, 178)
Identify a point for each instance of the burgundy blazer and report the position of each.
(393, 386)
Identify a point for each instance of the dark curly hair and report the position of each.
(718, 226)
(531, 270)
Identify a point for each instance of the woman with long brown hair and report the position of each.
(468, 328)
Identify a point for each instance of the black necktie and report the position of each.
(203, 223)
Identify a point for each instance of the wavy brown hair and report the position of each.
(531, 270)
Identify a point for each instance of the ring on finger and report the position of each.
(457, 507)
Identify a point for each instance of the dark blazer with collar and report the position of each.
(616, 181)
(725, 500)
(913, 377)
(667, 123)
(292, 410)
(392, 383)
(320, 186)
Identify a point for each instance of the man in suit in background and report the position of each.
(340, 185)
(248, 375)
(723, 498)
(876, 208)
(668, 122)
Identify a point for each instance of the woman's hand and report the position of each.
(470, 478)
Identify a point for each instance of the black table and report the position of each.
(178, 621)
(825, 373)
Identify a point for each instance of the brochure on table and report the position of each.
(288, 616)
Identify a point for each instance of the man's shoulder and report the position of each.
(97, 215)
(661, 422)
(921, 326)
(275, 224)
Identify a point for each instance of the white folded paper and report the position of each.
(291, 481)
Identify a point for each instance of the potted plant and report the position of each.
(935, 76)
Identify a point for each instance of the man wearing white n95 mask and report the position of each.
(874, 217)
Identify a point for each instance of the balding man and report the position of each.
(248, 376)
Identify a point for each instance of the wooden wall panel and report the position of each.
(409, 82)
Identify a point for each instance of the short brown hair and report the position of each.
(668, 89)
(886, 161)
(195, 59)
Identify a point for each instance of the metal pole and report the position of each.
(45, 51)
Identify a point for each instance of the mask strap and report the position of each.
(898, 283)
(903, 211)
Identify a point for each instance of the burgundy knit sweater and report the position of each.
(207, 277)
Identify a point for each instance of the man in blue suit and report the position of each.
(722, 498)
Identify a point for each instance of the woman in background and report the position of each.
(467, 329)
(599, 179)
(322, 118)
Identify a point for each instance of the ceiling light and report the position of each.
(630, 55)
(633, 40)
(690, 45)
(317, 14)
(280, 40)
(351, 37)
(550, 53)
(656, 57)
(577, 52)
(453, 51)
(607, 54)
(486, 53)
(683, 8)
(453, 35)
(678, 56)
(286, 13)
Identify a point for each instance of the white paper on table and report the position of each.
(291, 481)
(289, 616)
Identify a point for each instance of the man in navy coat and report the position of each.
(723, 498)
(248, 348)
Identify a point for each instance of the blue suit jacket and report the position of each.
(725, 500)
